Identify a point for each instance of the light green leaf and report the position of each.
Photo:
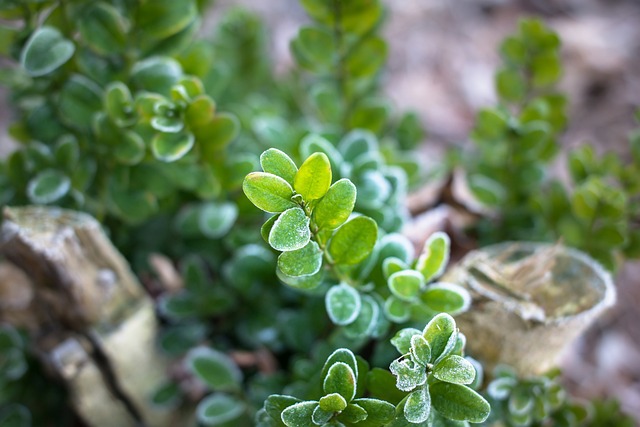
(314, 49)
(458, 402)
(439, 333)
(435, 256)
(119, 104)
(313, 179)
(510, 85)
(290, 231)
(367, 319)
(336, 206)
(217, 409)
(48, 186)
(333, 402)
(302, 262)
(103, 28)
(406, 284)
(340, 379)
(301, 282)
(418, 406)
(45, 51)
(367, 58)
(343, 304)
(446, 297)
(454, 369)
(278, 163)
(162, 18)
(169, 147)
(199, 111)
(343, 355)
(216, 134)
(393, 265)
(299, 414)
(353, 241)
(397, 310)
(268, 192)
(314, 143)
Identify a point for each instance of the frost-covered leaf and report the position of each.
(301, 262)
(402, 339)
(353, 241)
(420, 350)
(290, 231)
(446, 297)
(340, 379)
(454, 369)
(435, 256)
(278, 163)
(214, 368)
(439, 333)
(218, 409)
(299, 414)
(336, 206)
(458, 402)
(418, 406)
(48, 186)
(268, 192)
(409, 375)
(333, 402)
(406, 284)
(343, 304)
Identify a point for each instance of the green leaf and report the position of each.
(446, 297)
(406, 284)
(397, 310)
(314, 49)
(290, 231)
(130, 149)
(314, 143)
(216, 134)
(333, 402)
(336, 206)
(367, 58)
(157, 74)
(313, 179)
(80, 98)
(353, 414)
(343, 355)
(420, 350)
(177, 340)
(510, 85)
(379, 412)
(501, 388)
(321, 416)
(353, 241)
(402, 339)
(454, 369)
(491, 124)
(267, 226)
(435, 256)
(546, 69)
(301, 282)
(214, 368)
(216, 219)
(169, 147)
(45, 51)
(409, 374)
(439, 333)
(459, 403)
(268, 192)
(48, 186)
(340, 379)
(278, 163)
(200, 111)
(299, 414)
(418, 406)
(276, 403)
(367, 319)
(162, 18)
(103, 28)
(167, 396)
(393, 265)
(343, 304)
(217, 409)
(302, 262)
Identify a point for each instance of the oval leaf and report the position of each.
(217, 409)
(214, 368)
(354, 241)
(336, 206)
(343, 304)
(268, 192)
(313, 179)
(438, 333)
(418, 406)
(342, 380)
(48, 186)
(290, 231)
(447, 298)
(45, 51)
(435, 256)
(454, 369)
(459, 403)
(301, 262)
(406, 284)
(169, 147)
(278, 163)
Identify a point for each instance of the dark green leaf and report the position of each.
(48, 186)
(214, 368)
(80, 98)
(103, 28)
(340, 379)
(458, 402)
(217, 409)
